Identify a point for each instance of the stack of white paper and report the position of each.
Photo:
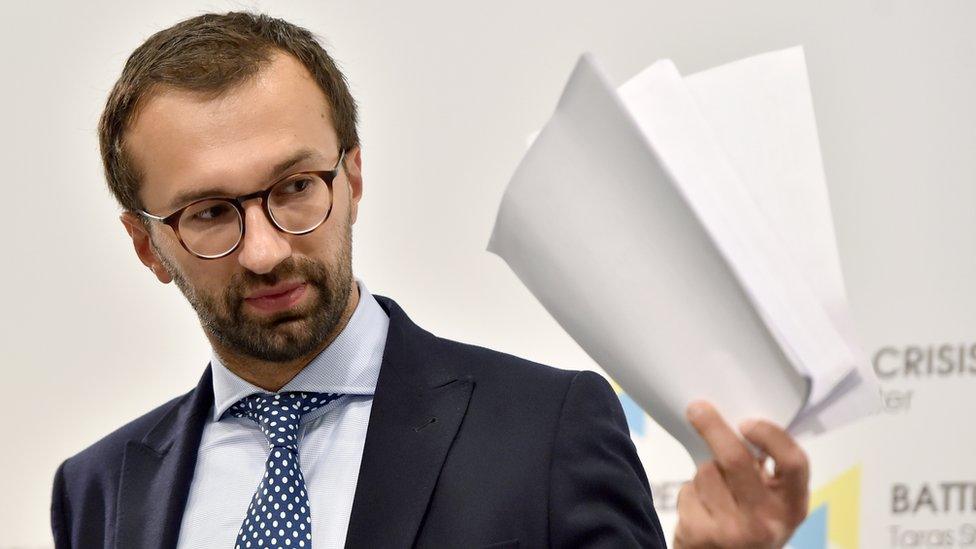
(679, 230)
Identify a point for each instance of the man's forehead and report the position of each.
(184, 194)
(183, 140)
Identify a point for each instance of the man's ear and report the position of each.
(354, 174)
(143, 246)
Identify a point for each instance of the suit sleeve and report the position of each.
(599, 493)
(59, 510)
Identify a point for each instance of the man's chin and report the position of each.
(281, 326)
(287, 340)
(277, 336)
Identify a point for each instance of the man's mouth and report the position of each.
(277, 298)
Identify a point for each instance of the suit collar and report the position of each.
(419, 403)
(157, 471)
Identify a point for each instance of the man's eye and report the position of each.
(296, 186)
(212, 213)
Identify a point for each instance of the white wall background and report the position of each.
(448, 91)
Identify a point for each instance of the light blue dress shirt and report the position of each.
(233, 450)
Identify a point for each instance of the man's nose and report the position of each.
(264, 246)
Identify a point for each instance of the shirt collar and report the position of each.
(349, 365)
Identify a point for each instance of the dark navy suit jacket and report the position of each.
(466, 447)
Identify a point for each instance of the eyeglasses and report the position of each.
(211, 228)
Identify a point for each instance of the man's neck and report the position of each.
(272, 376)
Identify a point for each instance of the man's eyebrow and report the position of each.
(279, 169)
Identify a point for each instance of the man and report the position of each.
(325, 415)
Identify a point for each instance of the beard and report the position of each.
(285, 336)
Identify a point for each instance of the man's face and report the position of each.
(183, 142)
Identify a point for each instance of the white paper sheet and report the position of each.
(766, 98)
(680, 231)
(593, 226)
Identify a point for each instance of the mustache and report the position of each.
(304, 269)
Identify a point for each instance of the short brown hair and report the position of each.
(211, 53)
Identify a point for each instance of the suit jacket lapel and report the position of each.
(157, 471)
(417, 409)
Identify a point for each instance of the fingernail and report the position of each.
(747, 425)
(695, 409)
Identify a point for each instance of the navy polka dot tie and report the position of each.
(279, 514)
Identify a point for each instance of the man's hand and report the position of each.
(733, 501)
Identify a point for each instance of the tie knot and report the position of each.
(279, 414)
